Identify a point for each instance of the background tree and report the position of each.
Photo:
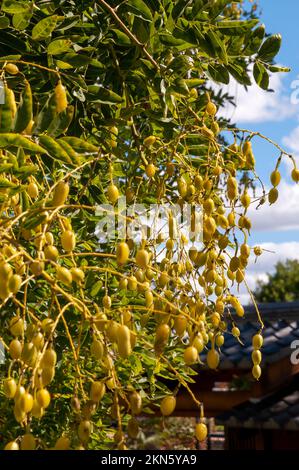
(282, 285)
(104, 99)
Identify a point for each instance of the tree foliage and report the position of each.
(282, 285)
(104, 99)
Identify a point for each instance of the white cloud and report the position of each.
(259, 268)
(281, 216)
(292, 140)
(257, 105)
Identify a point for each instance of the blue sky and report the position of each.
(275, 228)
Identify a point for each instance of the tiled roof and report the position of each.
(277, 411)
(281, 329)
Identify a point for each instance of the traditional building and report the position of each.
(256, 414)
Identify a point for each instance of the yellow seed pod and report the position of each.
(136, 402)
(64, 275)
(68, 240)
(28, 442)
(257, 341)
(231, 219)
(43, 398)
(240, 275)
(78, 275)
(62, 443)
(222, 221)
(211, 108)
(97, 349)
(190, 355)
(12, 445)
(14, 283)
(37, 411)
(84, 431)
(142, 258)
(234, 264)
(133, 428)
(132, 283)
(275, 178)
(49, 358)
(198, 343)
(256, 357)
(149, 141)
(107, 302)
(112, 193)
(12, 69)
(209, 206)
(213, 359)
(97, 391)
(250, 160)
(51, 253)
(236, 332)
(245, 250)
(257, 251)
(122, 253)
(295, 175)
(182, 187)
(247, 147)
(256, 371)
(124, 341)
(180, 324)
(37, 267)
(25, 402)
(201, 432)
(198, 182)
(209, 225)
(161, 338)
(223, 242)
(219, 341)
(15, 349)
(16, 326)
(10, 388)
(167, 405)
(245, 199)
(61, 192)
(273, 195)
(32, 190)
(207, 132)
(150, 170)
(47, 375)
(60, 97)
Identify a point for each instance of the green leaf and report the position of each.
(20, 21)
(261, 75)
(232, 28)
(204, 42)
(103, 95)
(219, 46)
(239, 73)
(140, 9)
(255, 40)
(4, 22)
(197, 6)
(120, 38)
(15, 6)
(217, 6)
(179, 8)
(218, 73)
(76, 60)
(12, 42)
(170, 40)
(270, 48)
(276, 68)
(44, 28)
(59, 46)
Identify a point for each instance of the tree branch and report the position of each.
(129, 33)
